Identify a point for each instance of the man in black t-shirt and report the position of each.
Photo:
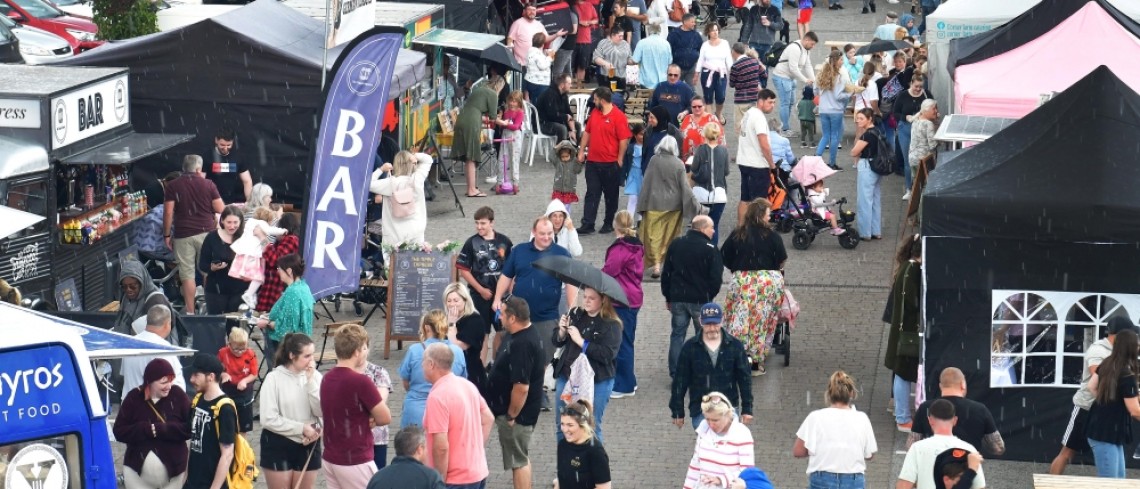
(975, 422)
(480, 263)
(212, 430)
(226, 169)
(515, 388)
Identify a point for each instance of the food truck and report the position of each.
(66, 146)
(54, 431)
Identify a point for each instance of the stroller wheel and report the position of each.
(849, 240)
(801, 240)
(784, 225)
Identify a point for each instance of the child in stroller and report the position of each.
(811, 173)
(818, 194)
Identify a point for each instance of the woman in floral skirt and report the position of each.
(755, 254)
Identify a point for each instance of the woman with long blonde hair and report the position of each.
(755, 255)
(466, 330)
(595, 331)
(624, 264)
(408, 171)
(582, 460)
(433, 329)
(832, 102)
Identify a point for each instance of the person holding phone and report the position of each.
(223, 292)
(593, 330)
(290, 416)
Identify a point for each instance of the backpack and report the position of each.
(243, 470)
(678, 11)
(402, 203)
(890, 90)
(772, 57)
(884, 161)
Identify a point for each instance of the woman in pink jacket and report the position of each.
(624, 263)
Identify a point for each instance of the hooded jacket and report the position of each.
(566, 172)
(654, 135)
(666, 188)
(149, 296)
(624, 263)
(753, 32)
(565, 237)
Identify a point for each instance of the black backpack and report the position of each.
(772, 57)
(884, 161)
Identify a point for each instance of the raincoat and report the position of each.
(624, 263)
(905, 313)
(565, 237)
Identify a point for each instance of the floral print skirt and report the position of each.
(752, 307)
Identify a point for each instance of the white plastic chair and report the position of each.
(533, 131)
(578, 101)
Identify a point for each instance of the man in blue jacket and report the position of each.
(686, 43)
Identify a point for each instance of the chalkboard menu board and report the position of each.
(415, 286)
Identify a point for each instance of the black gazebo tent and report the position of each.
(257, 69)
(1032, 239)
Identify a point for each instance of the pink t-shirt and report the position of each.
(522, 36)
(347, 399)
(454, 406)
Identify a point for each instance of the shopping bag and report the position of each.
(581, 383)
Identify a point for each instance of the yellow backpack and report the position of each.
(243, 470)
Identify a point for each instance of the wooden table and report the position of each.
(1046, 481)
(113, 306)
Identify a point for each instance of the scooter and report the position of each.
(506, 186)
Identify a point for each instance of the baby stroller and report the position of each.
(795, 204)
(808, 172)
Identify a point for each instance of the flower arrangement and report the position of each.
(448, 246)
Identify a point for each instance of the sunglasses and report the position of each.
(698, 106)
(581, 414)
(714, 400)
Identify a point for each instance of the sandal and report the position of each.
(480, 194)
(656, 273)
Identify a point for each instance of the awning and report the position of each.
(21, 158)
(450, 38)
(125, 149)
(26, 325)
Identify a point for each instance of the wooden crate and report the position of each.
(1046, 481)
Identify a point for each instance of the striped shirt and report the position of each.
(744, 77)
(721, 457)
(614, 54)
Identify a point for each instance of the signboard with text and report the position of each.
(20, 113)
(349, 18)
(93, 109)
(40, 389)
(416, 280)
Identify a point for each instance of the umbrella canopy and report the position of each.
(498, 54)
(581, 274)
(883, 45)
(13, 221)
(811, 169)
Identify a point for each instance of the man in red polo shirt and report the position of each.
(605, 137)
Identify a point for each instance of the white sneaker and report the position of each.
(906, 196)
(893, 2)
(621, 395)
(491, 180)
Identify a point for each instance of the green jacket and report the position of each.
(806, 110)
(293, 312)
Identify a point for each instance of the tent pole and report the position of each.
(325, 51)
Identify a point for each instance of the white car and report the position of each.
(78, 8)
(37, 45)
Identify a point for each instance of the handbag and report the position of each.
(711, 194)
(910, 342)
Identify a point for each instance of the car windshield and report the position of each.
(39, 9)
(9, 23)
(67, 2)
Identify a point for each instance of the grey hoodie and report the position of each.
(149, 296)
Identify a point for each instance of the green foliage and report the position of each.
(124, 19)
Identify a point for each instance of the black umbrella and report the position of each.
(497, 54)
(581, 274)
(881, 45)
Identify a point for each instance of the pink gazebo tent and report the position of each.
(1010, 84)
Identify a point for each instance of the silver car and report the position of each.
(37, 45)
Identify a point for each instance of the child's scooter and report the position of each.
(505, 186)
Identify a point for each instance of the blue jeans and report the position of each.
(602, 392)
(1109, 459)
(831, 480)
(714, 92)
(683, 314)
(869, 213)
(902, 149)
(534, 90)
(474, 485)
(786, 95)
(625, 380)
(832, 135)
(380, 456)
(715, 211)
(901, 389)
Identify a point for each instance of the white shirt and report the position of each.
(715, 58)
(871, 93)
(918, 467)
(133, 367)
(748, 152)
(838, 440)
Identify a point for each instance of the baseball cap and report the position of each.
(711, 313)
(205, 363)
(950, 456)
(1118, 324)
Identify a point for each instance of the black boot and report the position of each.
(872, 6)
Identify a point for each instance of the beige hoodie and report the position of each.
(289, 401)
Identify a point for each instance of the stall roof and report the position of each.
(25, 326)
(127, 148)
(48, 80)
(21, 157)
(387, 13)
(449, 38)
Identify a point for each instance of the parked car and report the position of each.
(37, 45)
(80, 33)
(9, 46)
(76, 8)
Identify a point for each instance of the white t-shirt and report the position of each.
(871, 93)
(748, 152)
(918, 467)
(134, 367)
(837, 440)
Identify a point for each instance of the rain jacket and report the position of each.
(604, 337)
(149, 296)
(697, 376)
(565, 237)
(566, 172)
(692, 270)
(624, 264)
(905, 313)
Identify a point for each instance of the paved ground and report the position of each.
(842, 293)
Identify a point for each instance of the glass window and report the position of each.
(58, 459)
(29, 197)
(39, 9)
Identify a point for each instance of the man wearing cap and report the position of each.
(211, 440)
(157, 329)
(956, 468)
(975, 422)
(1073, 441)
(713, 361)
(918, 466)
(690, 276)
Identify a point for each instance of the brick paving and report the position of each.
(842, 293)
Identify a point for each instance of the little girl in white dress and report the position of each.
(248, 263)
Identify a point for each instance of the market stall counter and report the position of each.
(66, 148)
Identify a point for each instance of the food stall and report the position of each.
(66, 147)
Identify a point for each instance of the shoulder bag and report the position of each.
(711, 194)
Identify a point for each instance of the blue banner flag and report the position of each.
(345, 152)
